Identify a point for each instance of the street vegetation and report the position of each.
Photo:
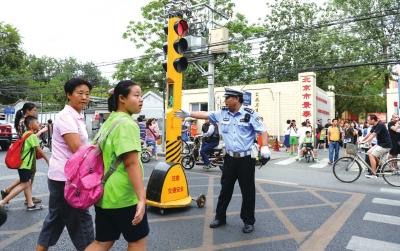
(349, 44)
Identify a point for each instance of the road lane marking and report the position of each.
(357, 243)
(279, 182)
(291, 228)
(15, 176)
(321, 237)
(390, 190)
(208, 233)
(286, 161)
(382, 218)
(323, 163)
(386, 202)
(22, 233)
(246, 244)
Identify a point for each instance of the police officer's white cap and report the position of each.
(233, 92)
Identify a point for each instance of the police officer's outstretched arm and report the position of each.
(197, 115)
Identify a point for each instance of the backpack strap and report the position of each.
(110, 171)
(99, 139)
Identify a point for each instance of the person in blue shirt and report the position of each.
(238, 126)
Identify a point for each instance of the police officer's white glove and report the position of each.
(182, 114)
(265, 155)
(265, 152)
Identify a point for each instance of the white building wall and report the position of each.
(275, 102)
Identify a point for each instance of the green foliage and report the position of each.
(12, 72)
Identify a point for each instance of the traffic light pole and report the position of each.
(211, 67)
(211, 84)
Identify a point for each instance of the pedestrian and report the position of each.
(142, 126)
(122, 209)
(69, 133)
(334, 136)
(322, 139)
(394, 132)
(28, 109)
(238, 127)
(193, 129)
(152, 135)
(30, 150)
(286, 130)
(294, 137)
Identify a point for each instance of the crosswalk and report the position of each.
(290, 161)
(362, 243)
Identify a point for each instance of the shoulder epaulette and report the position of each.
(224, 108)
(249, 110)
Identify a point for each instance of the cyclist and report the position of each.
(383, 145)
(307, 145)
(210, 140)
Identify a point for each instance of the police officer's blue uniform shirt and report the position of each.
(238, 134)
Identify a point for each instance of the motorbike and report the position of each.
(146, 154)
(192, 157)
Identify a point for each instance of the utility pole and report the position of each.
(211, 66)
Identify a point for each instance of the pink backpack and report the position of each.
(84, 172)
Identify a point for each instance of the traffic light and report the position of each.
(175, 65)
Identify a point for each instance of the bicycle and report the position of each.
(348, 169)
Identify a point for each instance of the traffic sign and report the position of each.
(9, 110)
(247, 98)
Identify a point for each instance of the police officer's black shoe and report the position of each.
(248, 228)
(217, 223)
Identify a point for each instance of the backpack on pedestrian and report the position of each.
(14, 156)
(84, 173)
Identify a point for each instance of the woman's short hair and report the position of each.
(71, 84)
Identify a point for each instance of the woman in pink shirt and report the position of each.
(69, 133)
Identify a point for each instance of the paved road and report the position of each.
(299, 207)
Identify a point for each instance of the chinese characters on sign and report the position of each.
(307, 100)
(176, 188)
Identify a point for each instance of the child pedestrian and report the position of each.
(30, 150)
(122, 209)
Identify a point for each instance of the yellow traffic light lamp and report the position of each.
(176, 64)
(167, 186)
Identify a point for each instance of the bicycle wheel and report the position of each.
(145, 157)
(391, 172)
(347, 169)
(188, 162)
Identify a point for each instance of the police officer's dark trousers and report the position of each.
(241, 169)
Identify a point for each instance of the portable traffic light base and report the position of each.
(168, 188)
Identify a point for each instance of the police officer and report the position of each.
(238, 127)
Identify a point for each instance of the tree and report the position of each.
(12, 71)
(236, 67)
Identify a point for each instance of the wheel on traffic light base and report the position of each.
(201, 201)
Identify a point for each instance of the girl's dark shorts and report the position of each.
(110, 223)
(24, 175)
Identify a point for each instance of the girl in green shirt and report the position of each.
(122, 207)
